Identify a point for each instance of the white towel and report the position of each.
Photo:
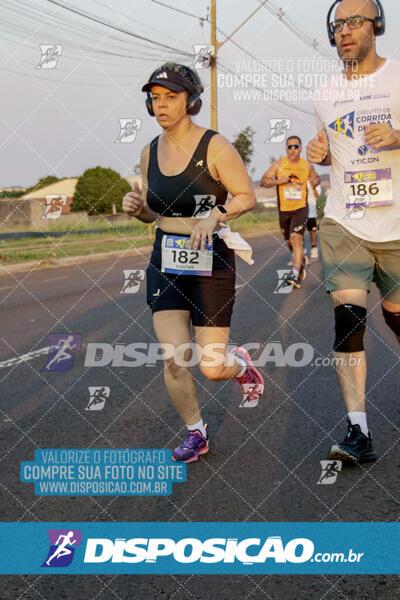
(235, 241)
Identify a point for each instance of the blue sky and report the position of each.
(64, 120)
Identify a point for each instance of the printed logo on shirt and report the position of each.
(344, 125)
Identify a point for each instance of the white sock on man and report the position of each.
(199, 425)
(359, 418)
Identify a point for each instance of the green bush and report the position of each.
(98, 189)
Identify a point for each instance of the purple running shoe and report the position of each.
(251, 382)
(194, 446)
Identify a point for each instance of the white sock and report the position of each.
(242, 363)
(296, 271)
(200, 426)
(359, 418)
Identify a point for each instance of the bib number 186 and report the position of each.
(362, 189)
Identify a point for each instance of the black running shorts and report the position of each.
(293, 221)
(312, 224)
(208, 299)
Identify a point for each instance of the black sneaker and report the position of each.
(356, 447)
(303, 269)
(293, 279)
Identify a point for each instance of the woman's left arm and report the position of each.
(233, 176)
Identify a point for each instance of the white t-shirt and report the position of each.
(365, 183)
(311, 200)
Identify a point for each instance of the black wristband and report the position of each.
(326, 156)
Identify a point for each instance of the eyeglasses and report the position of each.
(355, 22)
(293, 147)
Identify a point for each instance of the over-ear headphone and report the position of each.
(192, 84)
(379, 21)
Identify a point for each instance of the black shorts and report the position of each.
(312, 224)
(293, 221)
(208, 299)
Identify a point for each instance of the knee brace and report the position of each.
(392, 320)
(350, 321)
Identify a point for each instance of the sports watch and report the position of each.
(221, 209)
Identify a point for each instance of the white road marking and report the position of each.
(24, 357)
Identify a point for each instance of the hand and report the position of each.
(318, 148)
(380, 136)
(283, 180)
(132, 202)
(201, 232)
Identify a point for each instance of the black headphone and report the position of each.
(379, 21)
(193, 86)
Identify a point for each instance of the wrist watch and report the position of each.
(221, 209)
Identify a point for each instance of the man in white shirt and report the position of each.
(358, 134)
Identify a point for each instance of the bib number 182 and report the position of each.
(182, 257)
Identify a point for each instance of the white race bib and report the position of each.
(176, 257)
(293, 192)
(375, 184)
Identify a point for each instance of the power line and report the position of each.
(116, 28)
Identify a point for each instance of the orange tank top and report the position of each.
(293, 196)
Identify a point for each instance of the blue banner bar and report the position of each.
(200, 548)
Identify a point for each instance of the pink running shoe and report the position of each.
(251, 382)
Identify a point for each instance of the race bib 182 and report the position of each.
(176, 257)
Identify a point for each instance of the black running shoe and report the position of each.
(356, 447)
(303, 268)
(293, 279)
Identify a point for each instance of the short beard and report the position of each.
(363, 52)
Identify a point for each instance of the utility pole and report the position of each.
(213, 60)
(213, 65)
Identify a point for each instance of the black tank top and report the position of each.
(188, 194)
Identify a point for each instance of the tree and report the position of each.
(43, 181)
(244, 144)
(98, 189)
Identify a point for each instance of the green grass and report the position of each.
(54, 250)
(117, 237)
(76, 225)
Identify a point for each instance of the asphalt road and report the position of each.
(264, 463)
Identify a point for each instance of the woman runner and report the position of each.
(187, 172)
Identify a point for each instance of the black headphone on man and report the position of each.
(379, 21)
(192, 84)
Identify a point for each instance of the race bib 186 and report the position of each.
(375, 183)
(178, 259)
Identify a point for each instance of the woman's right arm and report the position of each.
(134, 203)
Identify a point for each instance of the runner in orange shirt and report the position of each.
(290, 175)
